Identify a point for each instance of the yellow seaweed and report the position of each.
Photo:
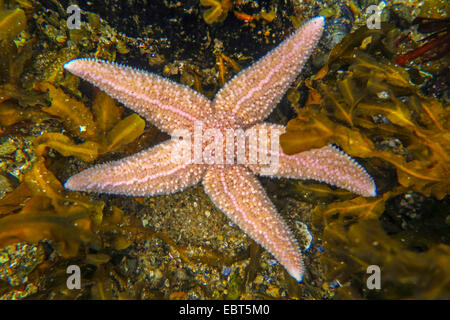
(87, 151)
(315, 191)
(43, 183)
(269, 16)
(126, 131)
(75, 114)
(218, 10)
(358, 208)
(8, 114)
(106, 111)
(12, 22)
(33, 227)
(314, 129)
(14, 200)
(346, 118)
(407, 274)
(369, 105)
(104, 133)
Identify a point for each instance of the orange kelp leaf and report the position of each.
(122, 231)
(352, 141)
(433, 146)
(309, 130)
(359, 207)
(342, 111)
(10, 114)
(33, 227)
(428, 181)
(268, 16)
(87, 151)
(67, 228)
(24, 53)
(345, 48)
(343, 51)
(244, 16)
(114, 220)
(114, 215)
(14, 200)
(97, 258)
(396, 111)
(380, 71)
(351, 92)
(121, 242)
(350, 250)
(435, 115)
(73, 113)
(75, 201)
(37, 204)
(126, 131)
(25, 98)
(321, 73)
(356, 208)
(12, 22)
(421, 176)
(314, 191)
(42, 182)
(381, 128)
(95, 208)
(218, 11)
(343, 108)
(236, 67)
(106, 111)
(314, 96)
(313, 129)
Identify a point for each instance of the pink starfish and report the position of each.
(241, 104)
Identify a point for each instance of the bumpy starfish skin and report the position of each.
(166, 104)
(252, 94)
(235, 190)
(241, 104)
(327, 164)
(150, 172)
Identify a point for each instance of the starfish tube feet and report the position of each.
(253, 93)
(168, 105)
(327, 164)
(151, 172)
(236, 191)
(241, 104)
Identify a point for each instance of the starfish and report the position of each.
(242, 104)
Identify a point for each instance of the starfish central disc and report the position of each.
(241, 105)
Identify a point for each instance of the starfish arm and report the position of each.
(236, 191)
(164, 103)
(159, 170)
(327, 164)
(252, 94)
